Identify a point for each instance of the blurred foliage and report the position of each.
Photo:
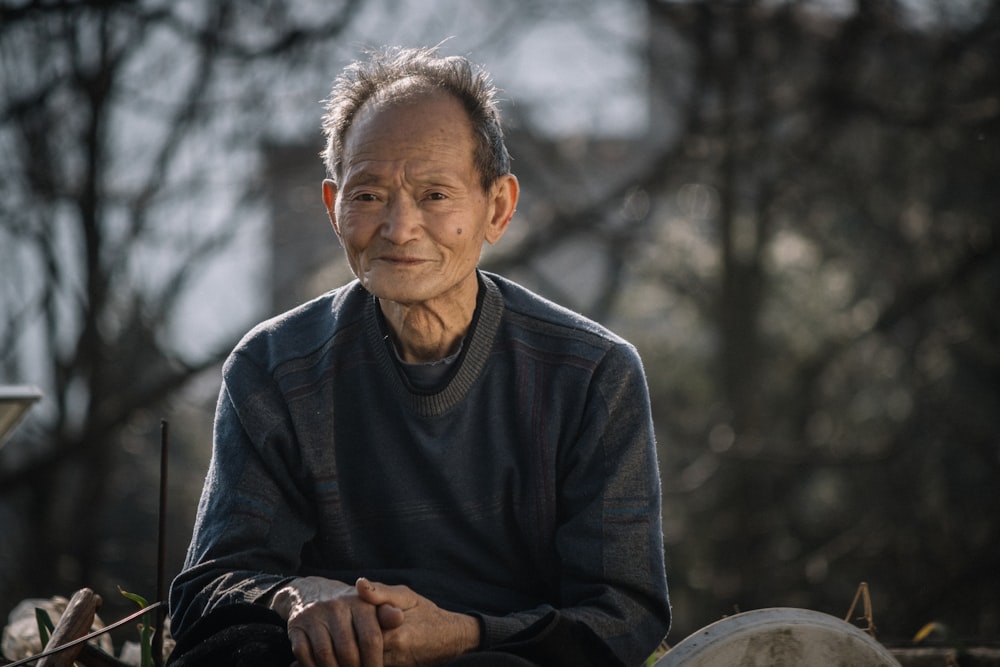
(836, 253)
(803, 246)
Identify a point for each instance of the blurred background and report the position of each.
(791, 208)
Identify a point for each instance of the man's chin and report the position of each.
(396, 291)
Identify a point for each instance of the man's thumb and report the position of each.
(389, 617)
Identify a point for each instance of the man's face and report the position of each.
(410, 209)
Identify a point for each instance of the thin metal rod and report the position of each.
(161, 612)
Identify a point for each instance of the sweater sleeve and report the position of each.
(609, 539)
(235, 555)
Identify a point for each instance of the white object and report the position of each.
(15, 400)
(778, 637)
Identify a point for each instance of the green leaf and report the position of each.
(45, 625)
(138, 599)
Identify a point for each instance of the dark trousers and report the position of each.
(250, 635)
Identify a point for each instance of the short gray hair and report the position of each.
(469, 84)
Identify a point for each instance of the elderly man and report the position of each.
(430, 464)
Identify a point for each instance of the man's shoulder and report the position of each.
(306, 328)
(534, 313)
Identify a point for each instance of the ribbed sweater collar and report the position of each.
(475, 352)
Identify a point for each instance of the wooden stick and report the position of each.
(75, 622)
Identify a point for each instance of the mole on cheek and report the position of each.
(458, 230)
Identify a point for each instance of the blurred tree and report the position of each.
(113, 120)
(836, 224)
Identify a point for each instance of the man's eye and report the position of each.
(437, 196)
(365, 196)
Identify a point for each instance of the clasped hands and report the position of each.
(369, 624)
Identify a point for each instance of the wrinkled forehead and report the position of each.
(405, 108)
(427, 127)
(407, 104)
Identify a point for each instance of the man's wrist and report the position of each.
(471, 632)
(281, 599)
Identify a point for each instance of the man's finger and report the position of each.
(378, 594)
(301, 647)
(368, 635)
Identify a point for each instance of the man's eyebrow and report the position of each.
(362, 177)
(433, 177)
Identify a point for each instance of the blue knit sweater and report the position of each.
(527, 483)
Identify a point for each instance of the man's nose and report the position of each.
(402, 220)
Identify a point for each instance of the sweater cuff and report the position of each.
(495, 630)
(264, 594)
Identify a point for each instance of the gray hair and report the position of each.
(469, 84)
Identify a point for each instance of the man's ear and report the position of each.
(504, 194)
(330, 200)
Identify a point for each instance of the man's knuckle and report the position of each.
(324, 655)
(370, 641)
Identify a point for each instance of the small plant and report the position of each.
(145, 629)
(45, 625)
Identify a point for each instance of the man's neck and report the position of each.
(429, 331)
